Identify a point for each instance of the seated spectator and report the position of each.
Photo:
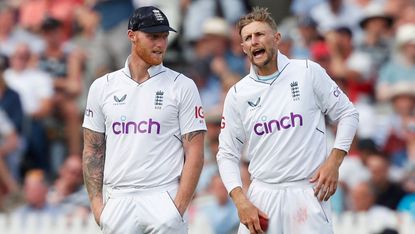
(217, 209)
(8, 143)
(377, 38)
(32, 13)
(10, 103)
(35, 189)
(407, 203)
(67, 192)
(11, 34)
(402, 98)
(402, 66)
(388, 194)
(64, 67)
(331, 14)
(363, 197)
(35, 90)
(350, 64)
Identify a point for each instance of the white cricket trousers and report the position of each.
(133, 211)
(291, 207)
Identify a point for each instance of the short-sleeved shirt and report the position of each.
(32, 85)
(143, 124)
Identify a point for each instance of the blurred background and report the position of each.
(52, 50)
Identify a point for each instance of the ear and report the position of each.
(132, 36)
(243, 48)
(277, 37)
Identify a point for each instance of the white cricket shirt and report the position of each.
(143, 124)
(282, 124)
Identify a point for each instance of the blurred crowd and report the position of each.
(52, 50)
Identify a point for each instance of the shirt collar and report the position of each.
(282, 61)
(152, 71)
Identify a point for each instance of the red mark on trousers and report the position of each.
(301, 215)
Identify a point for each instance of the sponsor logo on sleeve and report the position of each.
(223, 123)
(336, 92)
(89, 113)
(199, 115)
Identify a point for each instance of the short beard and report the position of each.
(147, 57)
(269, 58)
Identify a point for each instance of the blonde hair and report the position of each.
(259, 14)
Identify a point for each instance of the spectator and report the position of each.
(352, 65)
(32, 13)
(388, 194)
(8, 143)
(363, 197)
(114, 16)
(11, 34)
(10, 103)
(402, 98)
(377, 38)
(200, 10)
(68, 193)
(217, 209)
(65, 68)
(402, 66)
(35, 90)
(35, 189)
(407, 203)
(331, 14)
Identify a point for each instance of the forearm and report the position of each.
(193, 147)
(346, 130)
(237, 195)
(337, 156)
(93, 165)
(229, 171)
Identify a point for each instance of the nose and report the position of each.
(254, 40)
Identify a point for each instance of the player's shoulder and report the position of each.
(303, 63)
(241, 85)
(178, 79)
(106, 79)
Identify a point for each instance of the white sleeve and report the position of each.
(337, 106)
(231, 141)
(44, 86)
(94, 118)
(191, 116)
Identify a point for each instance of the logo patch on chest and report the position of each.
(120, 100)
(158, 100)
(295, 91)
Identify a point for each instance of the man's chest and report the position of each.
(140, 106)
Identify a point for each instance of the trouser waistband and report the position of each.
(113, 192)
(283, 185)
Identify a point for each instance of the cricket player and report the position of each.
(278, 113)
(143, 137)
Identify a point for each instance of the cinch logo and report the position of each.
(135, 127)
(89, 113)
(284, 123)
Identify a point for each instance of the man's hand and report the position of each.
(327, 175)
(248, 213)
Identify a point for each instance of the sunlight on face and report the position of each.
(151, 47)
(260, 43)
